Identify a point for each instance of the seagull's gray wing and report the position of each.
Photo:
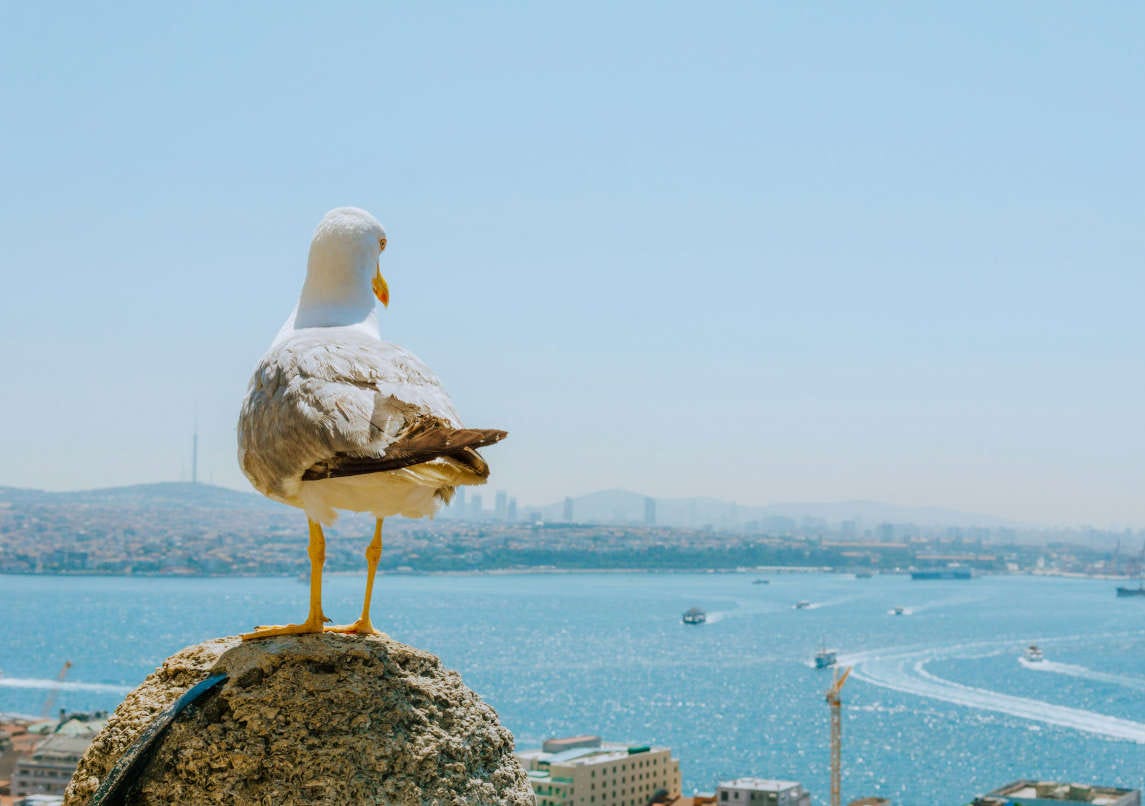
(319, 407)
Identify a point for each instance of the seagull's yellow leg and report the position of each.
(373, 555)
(314, 620)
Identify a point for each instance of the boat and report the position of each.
(761, 581)
(802, 604)
(825, 658)
(694, 615)
(1034, 654)
(864, 574)
(942, 573)
(899, 611)
(1133, 571)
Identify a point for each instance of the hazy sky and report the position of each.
(760, 251)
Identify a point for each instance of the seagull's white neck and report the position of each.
(337, 293)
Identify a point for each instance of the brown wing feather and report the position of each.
(424, 441)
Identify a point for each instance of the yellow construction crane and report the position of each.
(836, 735)
(50, 700)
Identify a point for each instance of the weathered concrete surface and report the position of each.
(316, 719)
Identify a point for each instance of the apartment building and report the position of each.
(586, 771)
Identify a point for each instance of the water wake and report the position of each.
(832, 602)
(906, 672)
(941, 604)
(742, 609)
(1070, 670)
(37, 683)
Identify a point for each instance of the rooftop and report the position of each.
(760, 784)
(61, 748)
(1064, 793)
(603, 753)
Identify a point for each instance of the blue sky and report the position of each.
(759, 251)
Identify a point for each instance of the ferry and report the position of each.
(864, 574)
(802, 604)
(694, 615)
(1034, 654)
(899, 611)
(1122, 591)
(825, 658)
(952, 572)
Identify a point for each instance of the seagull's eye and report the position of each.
(382, 245)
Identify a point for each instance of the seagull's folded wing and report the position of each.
(319, 408)
(424, 441)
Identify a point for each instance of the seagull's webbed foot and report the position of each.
(306, 627)
(360, 627)
(315, 618)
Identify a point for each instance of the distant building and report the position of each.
(649, 511)
(457, 506)
(501, 505)
(763, 792)
(475, 506)
(50, 767)
(568, 513)
(512, 510)
(591, 772)
(1044, 793)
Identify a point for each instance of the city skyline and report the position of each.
(763, 253)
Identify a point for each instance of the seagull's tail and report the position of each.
(416, 446)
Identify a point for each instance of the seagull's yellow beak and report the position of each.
(381, 290)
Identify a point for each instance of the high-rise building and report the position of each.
(584, 771)
(457, 505)
(501, 506)
(512, 510)
(568, 513)
(649, 511)
(475, 506)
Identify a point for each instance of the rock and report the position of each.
(314, 719)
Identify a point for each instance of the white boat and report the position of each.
(1034, 654)
(899, 611)
(694, 615)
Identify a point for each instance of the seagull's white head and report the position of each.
(343, 273)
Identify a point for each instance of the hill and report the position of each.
(624, 506)
(164, 495)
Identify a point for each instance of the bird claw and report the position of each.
(307, 627)
(359, 627)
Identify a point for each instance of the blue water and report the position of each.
(938, 709)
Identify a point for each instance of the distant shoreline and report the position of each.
(778, 571)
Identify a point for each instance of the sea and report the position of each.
(941, 704)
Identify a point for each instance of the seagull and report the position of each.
(337, 419)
